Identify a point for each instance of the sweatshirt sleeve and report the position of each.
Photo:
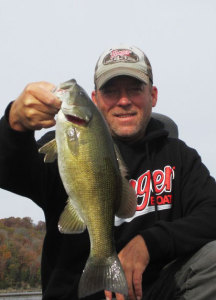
(192, 222)
(22, 169)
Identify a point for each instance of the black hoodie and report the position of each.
(175, 212)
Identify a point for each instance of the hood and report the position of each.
(154, 131)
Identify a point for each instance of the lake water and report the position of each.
(19, 296)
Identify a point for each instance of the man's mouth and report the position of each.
(125, 115)
(75, 120)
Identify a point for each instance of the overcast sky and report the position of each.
(56, 40)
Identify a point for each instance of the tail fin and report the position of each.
(102, 274)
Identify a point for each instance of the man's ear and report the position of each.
(154, 93)
(93, 95)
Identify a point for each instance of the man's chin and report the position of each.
(128, 136)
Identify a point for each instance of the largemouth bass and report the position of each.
(94, 179)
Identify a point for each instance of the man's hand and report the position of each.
(134, 258)
(35, 108)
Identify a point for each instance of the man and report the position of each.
(167, 248)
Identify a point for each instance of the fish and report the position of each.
(94, 176)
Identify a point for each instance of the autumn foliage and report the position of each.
(20, 253)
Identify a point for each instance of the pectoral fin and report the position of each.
(70, 221)
(128, 200)
(50, 151)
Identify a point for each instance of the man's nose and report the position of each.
(124, 99)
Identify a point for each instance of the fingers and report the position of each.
(128, 274)
(108, 295)
(33, 105)
(137, 284)
(134, 280)
(130, 281)
(35, 108)
(118, 296)
(36, 120)
(43, 92)
(134, 258)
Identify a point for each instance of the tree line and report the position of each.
(20, 253)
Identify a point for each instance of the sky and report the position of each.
(56, 40)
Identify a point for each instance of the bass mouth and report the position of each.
(75, 120)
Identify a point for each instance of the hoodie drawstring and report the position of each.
(157, 215)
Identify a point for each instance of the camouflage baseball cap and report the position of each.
(122, 60)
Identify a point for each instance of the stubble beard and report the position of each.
(131, 136)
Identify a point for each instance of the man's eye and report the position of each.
(109, 92)
(135, 89)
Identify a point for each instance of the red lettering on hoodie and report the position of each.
(161, 180)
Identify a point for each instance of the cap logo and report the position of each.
(120, 55)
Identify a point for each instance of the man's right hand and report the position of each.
(35, 108)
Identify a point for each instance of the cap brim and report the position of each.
(120, 71)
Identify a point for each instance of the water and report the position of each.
(20, 296)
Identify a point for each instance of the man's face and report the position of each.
(126, 104)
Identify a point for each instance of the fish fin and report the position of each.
(128, 200)
(121, 163)
(50, 151)
(70, 221)
(102, 274)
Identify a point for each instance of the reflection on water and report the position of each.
(19, 296)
